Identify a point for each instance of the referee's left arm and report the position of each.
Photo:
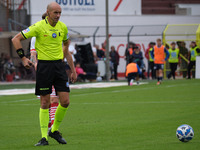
(68, 55)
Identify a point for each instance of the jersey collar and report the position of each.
(46, 20)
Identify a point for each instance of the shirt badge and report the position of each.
(54, 35)
(26, 30)
(67, 84)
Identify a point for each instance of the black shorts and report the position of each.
(132, 75)
(51, 73)
(158, 66)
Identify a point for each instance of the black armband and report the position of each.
(20, 52)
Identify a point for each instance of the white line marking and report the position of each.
(120, 103)
(17, 91)
(73, 86)
(19, 104)
(153, 102)
(16, 101)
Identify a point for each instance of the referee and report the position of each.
(52, 46)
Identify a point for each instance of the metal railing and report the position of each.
(12, 22)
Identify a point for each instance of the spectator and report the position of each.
(194, 51)
(150, 60)
(114, 58)
(103, 47)
(72, 50)
(2, 61)
(132, 73)
(167, 46)
(9, 67)
(100, 53)
(94, 50)
(173, 59)
(82, 75)
(129, 52)
(184, 52)
(138, 58)
(78, 54)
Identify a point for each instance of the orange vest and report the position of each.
(131, 68)
(130, 51)
(159, 55)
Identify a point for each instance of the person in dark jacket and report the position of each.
(100, 53)
(114, 58)
(138, 58)
(128, 53)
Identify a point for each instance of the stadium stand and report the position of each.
(163, 6)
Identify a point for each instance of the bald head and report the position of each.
(54, 13)
(52, 6)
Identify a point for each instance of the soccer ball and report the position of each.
(184, 133)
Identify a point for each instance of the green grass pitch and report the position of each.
(141, 117)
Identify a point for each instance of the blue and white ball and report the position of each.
(185, 133)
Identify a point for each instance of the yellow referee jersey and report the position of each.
(49, 39)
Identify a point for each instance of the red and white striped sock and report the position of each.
(52, 112)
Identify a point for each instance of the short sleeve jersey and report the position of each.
(49, 39)
(32, 47)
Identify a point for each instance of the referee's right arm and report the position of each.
(18, 46)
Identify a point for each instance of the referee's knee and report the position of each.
(65, 103)
(44, 101)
